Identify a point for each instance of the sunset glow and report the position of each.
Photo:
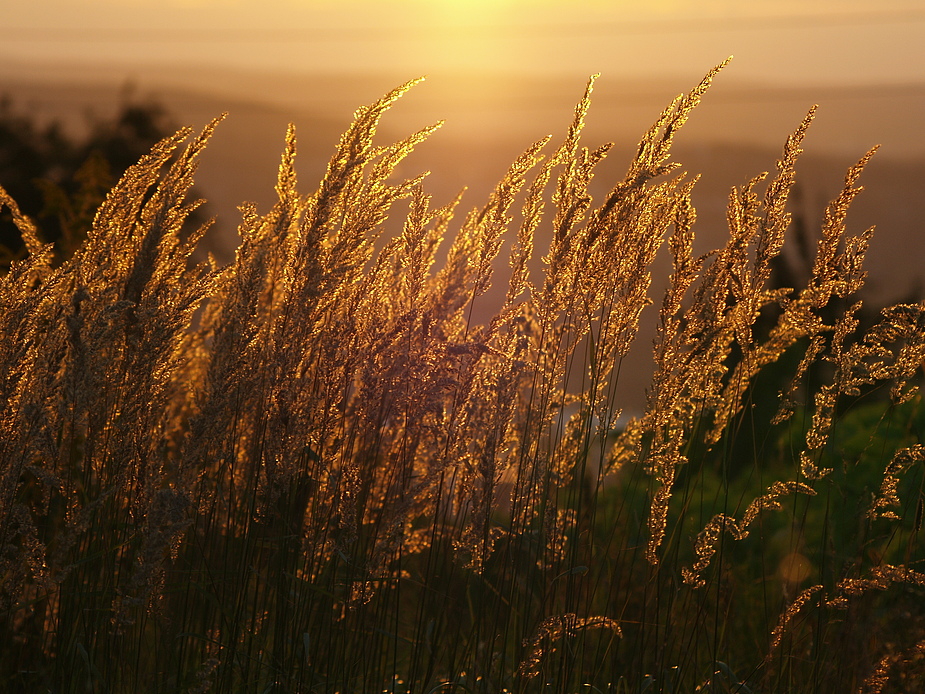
(779, 41)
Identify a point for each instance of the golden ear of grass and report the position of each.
(26, 228)
(788, 616)
(879, 678)
(888, 495)
(707, 539)
(553, 629)
(655, 146)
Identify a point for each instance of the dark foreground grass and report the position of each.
(312, 471)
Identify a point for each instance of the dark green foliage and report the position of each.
(60, 181)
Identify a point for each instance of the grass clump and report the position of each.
(313, 471)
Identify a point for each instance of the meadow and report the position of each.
(313, 469)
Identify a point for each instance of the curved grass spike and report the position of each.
(237, 307)
(132, 257)
(732, 275)
(867, 362)
(335, 234)
(655, 146)
(40, 255)
(705, 546)
(675, 384)
(792, 611)
(331, 307)
(286, 178)
(23, 224)
(493, 221)
(776, 219)
(124, 201)
(877, 680)
(370, 200)
(392, 155)
(570, 197)
(768, 230)
(553, 629)
(888, 495)
(351, 153)
(30, 309)
(160, 221)
(522, 249)
(826, 265)
(346, 204)
(834, 274)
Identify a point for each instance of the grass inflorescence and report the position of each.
(315, 470)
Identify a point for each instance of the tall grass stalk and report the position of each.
(315, 470)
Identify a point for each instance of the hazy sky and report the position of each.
(783, 41)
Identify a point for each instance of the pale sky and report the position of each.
(778, 41)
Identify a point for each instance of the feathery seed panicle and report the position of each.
(555, 628)
(23, 291)
(31, 339)
(881, 579)
(788, 616)
(705, 545)
(878, 679)
(24, 225)
(766, 233)
(676, 395)
(493, 220)
(236, 324)
(570, 200)
(654, 148)
(888, 495)
(111, 319)
(867, 362)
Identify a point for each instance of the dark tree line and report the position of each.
(58, 180)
